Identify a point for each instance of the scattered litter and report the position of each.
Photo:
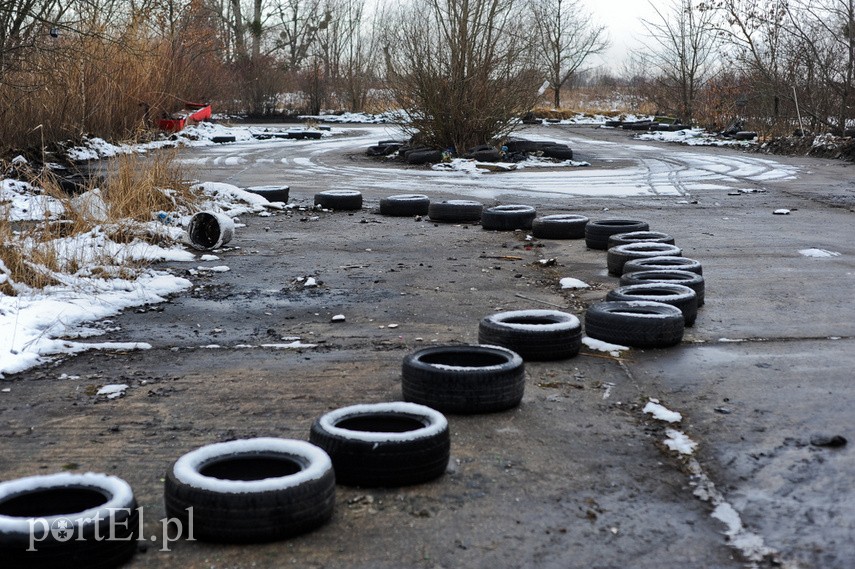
(338, 318)
(781, 211)
(6, 390)
(679, 442)
(569, 282)
(547, 262)
(113, 390)
(662, 413)
(818, 253)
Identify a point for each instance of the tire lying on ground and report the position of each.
(424, 157)
(464, 379)
(639, 236)
(533, 334)
(455, 211)
(558, 152)
(64, 519)
(382, 149)
(597, 233)
(384, 444)
(618, 256)
(639, 324)
(404, 205)
(343, 200)
(686, 278)
(676, 295)
(508, 217)
(666, 263)
(251, 490)
(559, 226)
(271, 193)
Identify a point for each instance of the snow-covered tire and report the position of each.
(676, 295)
(251, 490)
(404, 205)
(618, 256)
(508, 217)
(271, 193)
(639, 236)
(384, 444)
(559, 226)
(639, 324)
(558, 152)
(455, 211)
(536, 335)
(666, 263)
(464, 379)
(342, 200)
(597, 233)
(686, 278)
(68, 516)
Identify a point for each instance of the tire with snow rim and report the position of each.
(639, 236)
(686, 278)
(676, 295)
(271, 193)
(620, 254)
(404, 205)
(343, 200)
(639, 324)
(597, 233)
(536, 335)
(86, 506)
(559, 226)
(508, 217)
(666, 262)
(464, 379)
(455, 211)
(384, 444)
(252, 490)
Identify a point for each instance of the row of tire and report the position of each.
(513, 150)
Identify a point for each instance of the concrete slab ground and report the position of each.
(578, 475)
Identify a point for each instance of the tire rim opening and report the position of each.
(52, 502)
(470, 359)
(381, 424)
(247, 468)
(531, 320)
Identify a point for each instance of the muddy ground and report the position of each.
(577, 476)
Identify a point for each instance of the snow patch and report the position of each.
(570, 282)
(600, 346)
(113, 390)
(662, 413)
(818, 253)
(679, 442)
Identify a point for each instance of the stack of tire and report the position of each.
(659, 293)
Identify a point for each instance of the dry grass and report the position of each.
(37, 254)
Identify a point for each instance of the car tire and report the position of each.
(558, 152)
(639, 236)
(686, 278)
(663, 263)
(455, 211)
(384, 444)
(638, 324)
(508, 217)
(464, 379)
(619, 255)
(404, 205)
(341, 200)
(676, 295)
(251, 490)
(424, 157)
(597, 233)
(76, 512)
(559, 226)
(536, 335)
(271, 193)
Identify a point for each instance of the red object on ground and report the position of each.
(195, 112)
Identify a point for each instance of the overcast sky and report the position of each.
(623, 18)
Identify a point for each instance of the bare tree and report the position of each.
(566, 37)
(683, 43)
(461, 69)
